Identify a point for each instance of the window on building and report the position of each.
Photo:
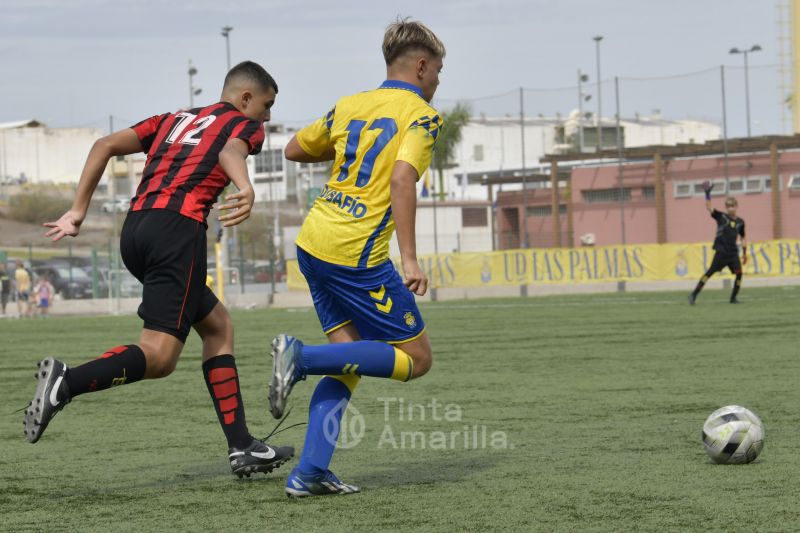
(540, 210)
(474, 217)
(649, 192)
(794, 183)
(545, 210)
(477, 152)
(269, 161)
(752, 185)
(736, 186)
(608, 135)
(683, 190)
(597, 196)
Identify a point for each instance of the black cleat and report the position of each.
(51, 396)
(692, 299)
(735, 301)
(258, 457)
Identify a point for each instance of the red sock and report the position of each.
(223, 386)
(118, 366)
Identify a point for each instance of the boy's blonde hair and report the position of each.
(730, 201)
(404, 35)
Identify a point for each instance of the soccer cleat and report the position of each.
(692, 298)
(51, 396)
(286, 371)
(258, 457)
(735, 301)
(299, 486)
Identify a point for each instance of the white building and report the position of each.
(277, 179)
(31, 152)
(492, 146)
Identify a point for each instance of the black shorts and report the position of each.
(166, 252)
(721, 261)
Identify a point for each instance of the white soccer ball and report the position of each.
(733, 435)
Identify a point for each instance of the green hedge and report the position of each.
(36, 208)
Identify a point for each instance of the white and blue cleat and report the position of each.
(299, 486)
(286, 371)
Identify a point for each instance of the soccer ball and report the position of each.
(733, 435)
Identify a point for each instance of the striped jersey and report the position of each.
(182, 171)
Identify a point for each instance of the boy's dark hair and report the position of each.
(252, 72)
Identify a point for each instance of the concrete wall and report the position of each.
(46, 155)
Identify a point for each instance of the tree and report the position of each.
(449, 136)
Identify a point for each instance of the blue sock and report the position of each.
(362, 358)
(327, 406)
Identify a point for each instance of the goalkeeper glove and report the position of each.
(707, 186)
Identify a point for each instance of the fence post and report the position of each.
(241, 262)
(95, 281)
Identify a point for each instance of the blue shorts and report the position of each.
(374, 299)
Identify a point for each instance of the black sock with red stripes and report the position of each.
(223, 385)
(118, 366)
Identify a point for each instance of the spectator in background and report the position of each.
(23, 290)
(43, 292)
(5, 288)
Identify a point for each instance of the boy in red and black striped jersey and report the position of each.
(192, 155)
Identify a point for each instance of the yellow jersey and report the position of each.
(23, 280)
(351, 221)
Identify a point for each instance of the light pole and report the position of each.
(582, 97)
(193, 91)
(754, 48)
(524, 171)
(226, 31)
(597, 39)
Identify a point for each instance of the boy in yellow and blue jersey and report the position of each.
(381, 142)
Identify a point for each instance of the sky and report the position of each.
(77, 62)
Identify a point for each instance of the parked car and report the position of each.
(119, 204)
(102, 279)
(69, 282)
(262, 272)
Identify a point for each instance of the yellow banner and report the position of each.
(645, 262)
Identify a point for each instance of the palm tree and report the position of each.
(449, 136)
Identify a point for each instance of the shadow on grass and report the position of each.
(424, 470)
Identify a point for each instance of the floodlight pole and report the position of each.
(226, 31)
(619, 165)
(597, 39)
(580, 112)
(754, 48)
(192, 72)
(524, 216)
(724, 128)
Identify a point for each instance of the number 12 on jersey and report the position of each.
(388, 128)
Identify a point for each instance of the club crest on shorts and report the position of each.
(410, 319)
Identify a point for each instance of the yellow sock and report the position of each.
(403, 365)
(350, 380)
